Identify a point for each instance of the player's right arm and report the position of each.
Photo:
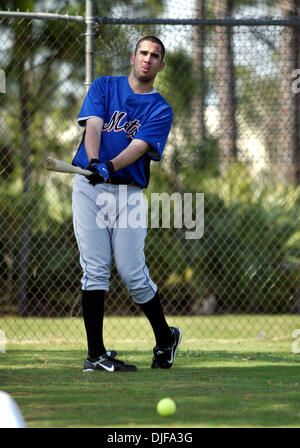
(100, 171)
(92, 139)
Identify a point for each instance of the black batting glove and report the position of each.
(101, 171)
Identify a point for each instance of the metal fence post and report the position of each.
(2, 81)
(89, 42)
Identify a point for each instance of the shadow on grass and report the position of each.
(211, 389)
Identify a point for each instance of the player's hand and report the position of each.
(101, 172)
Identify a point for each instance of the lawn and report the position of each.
(249, 382)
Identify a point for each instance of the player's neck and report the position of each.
(138, 86)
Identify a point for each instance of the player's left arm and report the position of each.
(136, 149)
(152, 139)
(128, 156)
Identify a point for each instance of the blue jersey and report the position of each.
(126, 116)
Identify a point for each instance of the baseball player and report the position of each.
(127, 123)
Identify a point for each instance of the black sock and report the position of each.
(154, 313)
(93, 312)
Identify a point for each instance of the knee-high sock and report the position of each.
(154, 313)
(93, 312)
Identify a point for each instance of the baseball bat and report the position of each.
(64, 167)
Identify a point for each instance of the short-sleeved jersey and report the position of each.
(126, 116)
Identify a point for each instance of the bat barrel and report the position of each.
(64, 167)
(49, 164)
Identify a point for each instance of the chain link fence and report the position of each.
(235, 138)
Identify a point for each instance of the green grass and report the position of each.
(136, 329)
(227, 382)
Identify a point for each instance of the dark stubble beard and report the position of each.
(144, 78)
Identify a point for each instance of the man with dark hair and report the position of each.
(154, 40)
(127, 123)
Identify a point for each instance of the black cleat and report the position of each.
(164, 357)
(108, 363)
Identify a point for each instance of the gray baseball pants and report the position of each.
(109, 220)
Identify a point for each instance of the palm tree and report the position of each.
(198, 106)
(288, 158)
(225, 82)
